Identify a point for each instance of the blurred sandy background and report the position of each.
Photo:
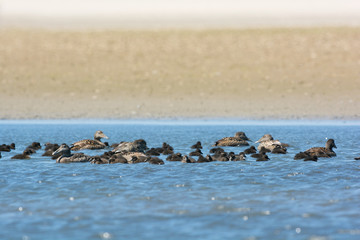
(214, 59)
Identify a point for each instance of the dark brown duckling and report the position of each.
(174, 157)
(240, 157)
(258, 155)
(12, 146)
(117, 158)
(217, 150)
(5, 148)
(203, 159)
(137, 159)
(250, 150)
(50, 148)
(357, 158)
(35, 145)
(154, 151)
(186, 159)
(222, 157)
(263, 158)
(25, 155)
(279, 150)
(326, 151)
(155, 160)
(31, 150)
(197, 152)
(197, 145)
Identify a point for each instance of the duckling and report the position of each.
(67, 156)
(25, 155)
(258, 155)
(197, 152)
(174, 157)
(217, 150)
(155, 160)
(357, 158)
(154, 151)
(250, 150)
(263, 158)
(186, 159)
(50, 148)
(326, 151)
(240, 157)
(117, 158)
(35, 145)
(222, 157)
(12, 146)
(279, 150)
(203, 159)
(89, 143)
(5, 148)
(197, 145)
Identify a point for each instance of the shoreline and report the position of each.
(184, 122)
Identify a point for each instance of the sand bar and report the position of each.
(279, 73)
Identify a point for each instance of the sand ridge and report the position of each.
(230, 73)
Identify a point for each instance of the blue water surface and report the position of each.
(278, 199)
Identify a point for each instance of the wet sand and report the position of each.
(280, 73)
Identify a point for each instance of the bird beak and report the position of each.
(56, 152)
(104, 136)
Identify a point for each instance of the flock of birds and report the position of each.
(137, 151)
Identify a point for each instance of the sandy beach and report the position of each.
(269, 73)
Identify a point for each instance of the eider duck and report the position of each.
(326, 151)
(268, 142)
(89, 143)
(135, 146)
(67, 157)
(240, 139)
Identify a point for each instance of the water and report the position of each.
(278, 199)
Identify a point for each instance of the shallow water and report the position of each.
(278, 199)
